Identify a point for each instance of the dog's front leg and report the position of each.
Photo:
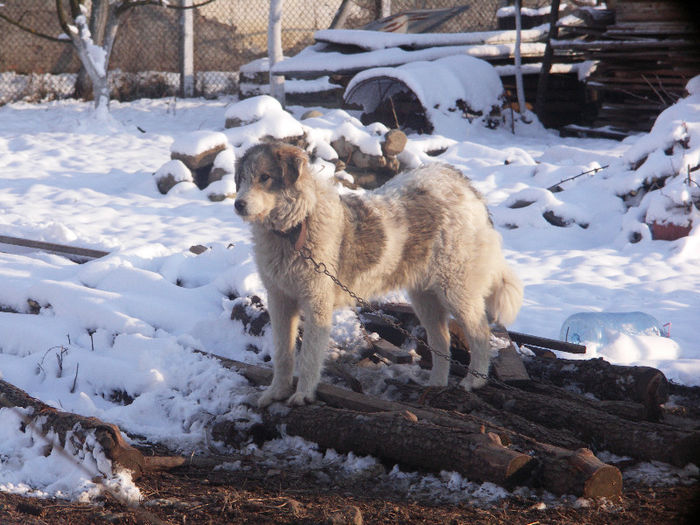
(284, 316)
(318, 317)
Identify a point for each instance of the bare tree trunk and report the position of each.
(66, 425)
(274, 49)
(99, 13)
(398, 438)
(92, 56)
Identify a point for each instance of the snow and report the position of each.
(196, 142)
(128, 324)
(371, 40)
(527, 11)
(95, 54)
(261, 116)
(253, 109)
(177, 169)
(317, 58)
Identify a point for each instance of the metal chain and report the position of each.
(321, 268)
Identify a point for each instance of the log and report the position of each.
(555, 468)
(509, 426)
(391, 352)
(549, 344)
(579, 472)
(560, 469)
(640, 439)
(47, 418)
(508, 365)
(642, 384)
(398, 438)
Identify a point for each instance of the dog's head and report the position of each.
(269, 185)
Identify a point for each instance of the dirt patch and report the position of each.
(205, 494)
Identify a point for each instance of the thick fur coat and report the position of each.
(426, 231)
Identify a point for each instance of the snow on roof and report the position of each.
(373, 40)
(317, 58)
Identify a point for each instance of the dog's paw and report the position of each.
(472, 382)
(271, 395)
(300, 399)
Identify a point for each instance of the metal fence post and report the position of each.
(186, 51)
(274, 49)
(383, 8)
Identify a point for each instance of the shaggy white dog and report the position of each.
(426, 231)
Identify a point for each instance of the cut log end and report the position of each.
(518, 468)
(606, 482)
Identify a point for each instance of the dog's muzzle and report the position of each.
(241, 207)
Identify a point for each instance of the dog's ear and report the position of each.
(292, 161)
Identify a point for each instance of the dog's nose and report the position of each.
(240, 206)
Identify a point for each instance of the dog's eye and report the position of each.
(264, 177)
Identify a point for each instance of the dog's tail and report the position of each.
(505, 298)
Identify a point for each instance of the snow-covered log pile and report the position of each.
(203, 158)
(643, 59)
(662, 186)
(539, 431)
(357, 155)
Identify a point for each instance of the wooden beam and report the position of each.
(543, 342)
(61, 249)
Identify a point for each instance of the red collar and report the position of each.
(296, 235)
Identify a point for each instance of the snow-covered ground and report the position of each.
(125, 326)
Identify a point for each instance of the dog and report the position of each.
(427, 231)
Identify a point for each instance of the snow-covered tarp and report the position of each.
(445, 88)
(129, 323)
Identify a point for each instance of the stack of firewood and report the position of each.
(540, 423)
(645, 59)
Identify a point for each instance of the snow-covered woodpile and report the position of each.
(358, 155)
(661, 187)
(645, 52)
(540, 429)
(202, 158)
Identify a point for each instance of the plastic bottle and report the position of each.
(598, 327)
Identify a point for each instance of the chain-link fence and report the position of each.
(36, 64)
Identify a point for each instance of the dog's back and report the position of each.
(420, 228)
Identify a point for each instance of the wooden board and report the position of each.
(71, 252)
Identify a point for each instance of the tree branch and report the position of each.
(32, 31)
(62, 19)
